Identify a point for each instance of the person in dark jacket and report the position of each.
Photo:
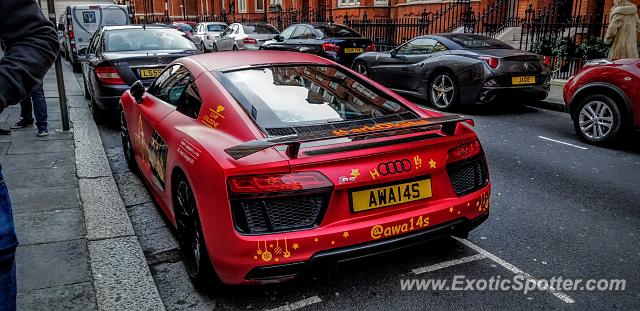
(31, 46)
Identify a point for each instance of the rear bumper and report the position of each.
(531, 92)
(324, 263)
(107, 96)
(242, 259)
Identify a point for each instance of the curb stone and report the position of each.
(121, 276)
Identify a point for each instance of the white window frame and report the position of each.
(256, 6)
(242, 6)
(348, 3)
(381, 3)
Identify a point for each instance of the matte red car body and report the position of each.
(620, 79)
(232, 254)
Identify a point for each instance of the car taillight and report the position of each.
(491, 61)
(547, 60)
(109, 75)
(249, 41)
(464, 151)
(273, 183)
(330, 47)
(371, 47)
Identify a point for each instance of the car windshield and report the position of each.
(146, 39)
(216, 27)
(336, 31)
(284, 96)
(259, 29)
(478, 42)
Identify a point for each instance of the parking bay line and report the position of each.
(298, 304)
(447, 264)
(562, 142)
(562, 296)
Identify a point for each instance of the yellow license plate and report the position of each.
(353, 50)
(150, 73)
(523, 80)
(369, 199)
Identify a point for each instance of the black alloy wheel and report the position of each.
(127, 147)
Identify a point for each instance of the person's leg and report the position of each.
(40, 109)
(26, 118)
(8, 243)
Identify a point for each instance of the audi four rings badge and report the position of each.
(391, 167)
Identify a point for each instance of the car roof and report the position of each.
(136, 27)
(213, 23)
(228, 60)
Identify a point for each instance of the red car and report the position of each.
(275, 164)
(604, 99)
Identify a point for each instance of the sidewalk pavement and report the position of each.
(78, 250)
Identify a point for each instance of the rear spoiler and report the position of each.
(446, 123)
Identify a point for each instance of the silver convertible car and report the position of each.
(452, 69)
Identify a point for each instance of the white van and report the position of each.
(83, 20)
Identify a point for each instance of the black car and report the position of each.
(118, 56)
(452, 69)
(336, 42)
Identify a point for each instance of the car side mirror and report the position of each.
(137, 91)
(279, 38)
(393, 53)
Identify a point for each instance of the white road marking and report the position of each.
(561, 142)
(449, 263)
(562, 296)
(298, 304)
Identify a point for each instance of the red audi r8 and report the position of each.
(272, 165)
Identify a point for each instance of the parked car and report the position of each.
(455, 68)
(604, 99)
(244, 36)
(186, 29)
(82, 21)
(120, 55)
(190, 23)
(204, 34)
(274, 164)
(336, 42)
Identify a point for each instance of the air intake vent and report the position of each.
(270, 215)
(468, 176)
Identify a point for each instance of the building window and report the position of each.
(381, 2)
(275, 2)
(259, 5)
(242, 6)
(343, 3)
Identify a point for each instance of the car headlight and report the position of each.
(597, 62)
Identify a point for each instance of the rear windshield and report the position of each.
(260, 28)
(478, 42)
(285, 96)
(145, 39)
(184, 27)
(336, 31)
(216, 27)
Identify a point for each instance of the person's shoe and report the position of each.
(5, 132)
(22, 124)
(43, 133)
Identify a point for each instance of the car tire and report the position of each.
(76, 67)
(190, 237)
(361, 68)
(235, 47)
(203, 48)
(598, 120)
(87, 96)
(127, 147)
(442, 91)
(215, 47)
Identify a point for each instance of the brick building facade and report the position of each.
(253, 9)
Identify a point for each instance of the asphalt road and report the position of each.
(558, 208)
